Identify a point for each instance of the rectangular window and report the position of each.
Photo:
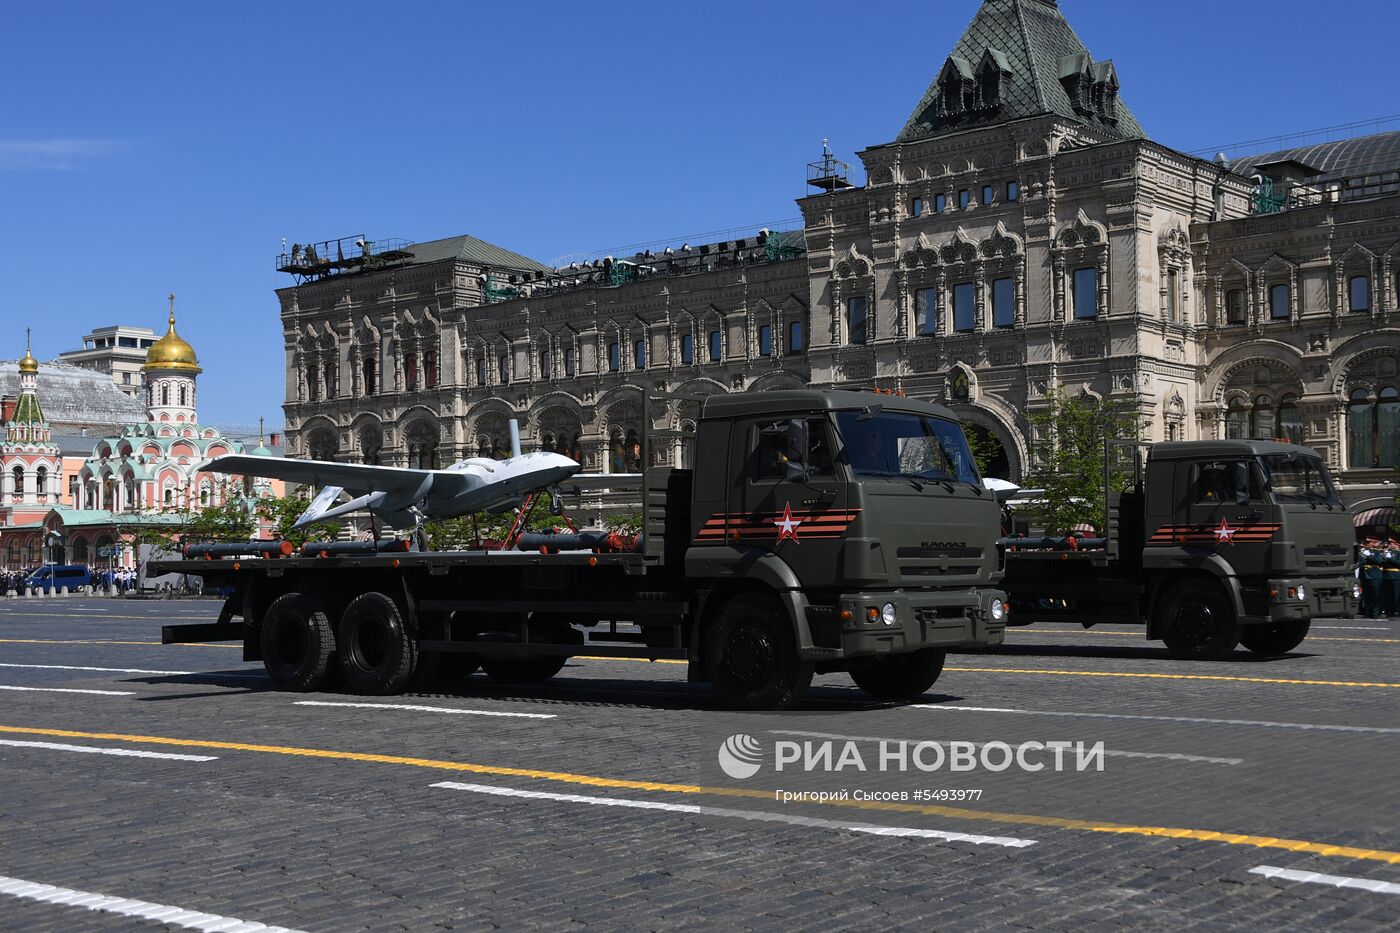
(126, 378)
(716, 346)
(639, 354)
(940, 203)
(964, 199)
(569, 361)
(481, 370)
(795, 342)
(1013, 192)
(926, 312)
(1280, 302)
(1086, 293)
(765, 340)
(916, 207)
(989, 194)
(614, 357)
(504, 366)
(964, 307)
(1004, 302)
(546, 365)
(687, 349)
(1174, 296)
(1234, 306)
(1359, 293)
(855, 320)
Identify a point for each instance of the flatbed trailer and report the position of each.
(1218, 543)
(789, 550)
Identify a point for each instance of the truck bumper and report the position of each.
(1305, 599)
(921, 620)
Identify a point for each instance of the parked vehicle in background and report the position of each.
(58, 576)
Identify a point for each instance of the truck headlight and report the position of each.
(887, 613)
(1302, 592)
(998, 610)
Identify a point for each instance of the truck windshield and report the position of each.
(1299, 478)
(906, 445)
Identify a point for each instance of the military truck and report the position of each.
(1216, 543)
(816, 532)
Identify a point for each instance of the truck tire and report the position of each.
(901, 676)
(753, 658)
(377, 652)
(1279, 638)
(1197, 622)
(297, 643)
(522, 670)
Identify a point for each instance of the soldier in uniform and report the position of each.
(1371, 577)
(1390, 572)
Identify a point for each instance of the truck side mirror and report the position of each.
(1241, 471)
(797, 441)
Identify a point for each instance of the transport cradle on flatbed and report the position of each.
(1218, 543)
(817, 532)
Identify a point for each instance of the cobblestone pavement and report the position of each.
(604, 805)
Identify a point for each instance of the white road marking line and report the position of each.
(126, 907)
(429, 709)
(100, 670)
(1336, 881)
(120, 752)
(1171, 756)
(1354, 628)
(1191, 719)
(105, 693)
(874, 829)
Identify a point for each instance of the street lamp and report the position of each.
(52, 539)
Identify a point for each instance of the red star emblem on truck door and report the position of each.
(1225, 534)
(787, 525)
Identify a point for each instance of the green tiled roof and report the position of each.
(1033, 38)
(27, 411)
(471, 249)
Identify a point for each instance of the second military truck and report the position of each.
(1218, 543)
(816, 532)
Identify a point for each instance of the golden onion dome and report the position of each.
(28, 364)
(171, 351)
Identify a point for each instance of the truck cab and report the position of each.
(1262, 518)
(863, 512)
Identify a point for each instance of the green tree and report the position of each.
(282, 514)
(1068, 439)
(624, 523)
(986, 449)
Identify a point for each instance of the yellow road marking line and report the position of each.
(1246, 680)
(1056, 822)
(73, 641)
(1061, 631)
(590, 657)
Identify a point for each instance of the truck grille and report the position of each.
(1326, 557)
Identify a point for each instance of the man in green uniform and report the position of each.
(1372, 581)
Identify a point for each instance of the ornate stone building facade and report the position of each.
(1020, 236)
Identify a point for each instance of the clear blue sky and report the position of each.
(154, 147)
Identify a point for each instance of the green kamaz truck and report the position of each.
(1217, 544)
(816, 532)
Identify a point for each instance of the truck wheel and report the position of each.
(1197, 622)
(377, 653)
(297, 643)
(522, 670)
(753, 656)
(1280, 638)
(900, 677)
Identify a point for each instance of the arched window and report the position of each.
(1290, 420)
(614, 357)
(41, 481)
(1388, 428)
(80, 551)
(1280, 302)
(546, 365)
(716, 346)
(1236, 421)
(570, 359)
(165, 394)
(856, 330)
(430, 369)
(1359, 293)
(765, 340)
(371, 443)
(1361, 439)
(18, 474)
(1261, 426)
(410, 372)
(169, 496)
(371, 374)
(183, 398)
(203, 496)
(503, 367)
(639, 354)
(795, 341)
(687, 349)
